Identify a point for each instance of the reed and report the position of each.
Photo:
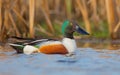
(46, 12)
(116, 29)
(14, 25)
(95, 15)
(68, 8)
(82, 7)
(0, 15)
(31, 17)
(112, 17)
(25, 18)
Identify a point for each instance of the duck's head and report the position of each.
(69, 27)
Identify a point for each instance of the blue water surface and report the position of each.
(87, 61)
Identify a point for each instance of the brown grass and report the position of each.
(112, 17)
(31, 17)
(20, 17)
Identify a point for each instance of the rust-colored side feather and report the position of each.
(53, 49)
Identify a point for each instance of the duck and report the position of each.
(67, 46)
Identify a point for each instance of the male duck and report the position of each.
(50, 46)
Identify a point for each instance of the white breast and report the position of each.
(69, 44)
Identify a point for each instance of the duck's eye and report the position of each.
(76, 27)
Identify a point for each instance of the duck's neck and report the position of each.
(69, 33)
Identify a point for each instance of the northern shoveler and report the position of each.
(50, 46)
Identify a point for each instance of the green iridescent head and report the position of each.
(64, 26)
(69, 27)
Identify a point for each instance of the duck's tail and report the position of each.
(17, 47)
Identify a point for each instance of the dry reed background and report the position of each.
(24, 17)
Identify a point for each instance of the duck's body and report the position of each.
(46, 46)
(50, 46)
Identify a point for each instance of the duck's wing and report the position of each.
(35, 42)
(18, 46)
(31, 41)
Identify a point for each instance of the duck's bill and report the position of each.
(81, 31)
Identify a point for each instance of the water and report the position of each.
(91, 58)
(86, 61)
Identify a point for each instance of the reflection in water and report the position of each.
(68, 60)
(114, 45)
(99, 44)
